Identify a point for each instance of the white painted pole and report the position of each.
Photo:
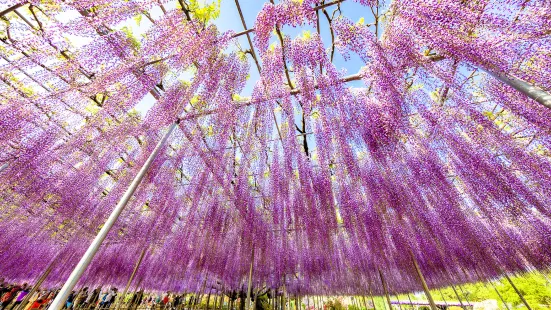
(536, 93)
(61, 298)
(539, 95)
(3, 167)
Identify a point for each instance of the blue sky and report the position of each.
(229, 20)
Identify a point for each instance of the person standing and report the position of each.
(93, 298)
(4, 287)
(81, 298)
(70, 300)
(8, 297)
(22, 293)
(108, 298)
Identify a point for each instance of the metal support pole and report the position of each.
(138, 263)
(371, 296)
(518, 292)
(531, 91)
(465, 296)
(410, 302)
(13, 8)
(364, 302)
(443, 298)
(539, 95)
(423, 282)
(283, 296)
(3, 167)
(61, 297)
(385, 290)
(250, 285)
(500, 297)
(458, 298)
(37, 284)
(398, 299)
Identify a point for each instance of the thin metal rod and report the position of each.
(443, 298)
(244, 32)
(398, 299)
(38, 283)
(531, 91)
(458, 298)
(242, 104)
(250, 282)
(316, 8)
(539, 95)
(385, 289)
(423, 282)
(61, 297)
(465, 296)
(138, 263)
(283, 296)
(498, 294)
(3, 167)
(323, 6)
(346, 79)
(253, 53)
(372, 299)
(410, 302)
(15, 7)
(364, 302)
(518, 292)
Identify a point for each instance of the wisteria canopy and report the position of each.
(323, 178)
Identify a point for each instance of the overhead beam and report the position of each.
(10, 9)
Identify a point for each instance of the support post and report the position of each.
(371, 296)
(458, 298)
(500, 297)
(3, 167)
(138, 263)
(518, 292)
(465, 296)
(540, 96)
(284, 299)
(398, 299)
(443, 298)
(61, 297)
(250, 282)
(385, 289)
(37, 284)
(423, 282)
(411, 302)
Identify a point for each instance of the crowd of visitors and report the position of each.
(12, 297)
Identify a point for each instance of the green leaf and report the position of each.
(138, 19)
(133, 41)
(206, 12)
